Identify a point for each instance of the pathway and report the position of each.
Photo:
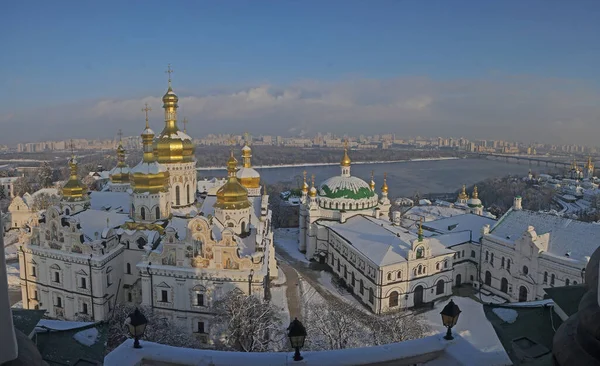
(292, 291)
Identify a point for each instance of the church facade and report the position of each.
(149, 238)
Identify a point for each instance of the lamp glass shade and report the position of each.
(137, 323)
(450, 314)
(297, 341)
(296, 333)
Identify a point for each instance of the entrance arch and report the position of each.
(488, 278)
(458, 280)
(418, 301)
(522, 294)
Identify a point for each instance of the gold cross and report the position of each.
(120, 134)
(146, 109)
(169, 71)
(312, 180)
(72, 148)
(185, 121)
(346, 143)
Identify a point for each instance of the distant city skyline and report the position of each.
(510, 70)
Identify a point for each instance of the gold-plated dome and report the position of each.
(372, 183)
(172, 145)
(304, 184)
(247, 175)
(475, 194)
(149, 176)
(313, 190)
(120, 174)
(346, 159)
(384, 188)
(74, 190)
(463, 194)
(232, 195)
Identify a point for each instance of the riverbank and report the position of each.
(335, 164)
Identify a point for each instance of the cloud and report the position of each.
(520, 108)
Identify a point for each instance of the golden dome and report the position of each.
(384, 187)
(304, 184)
(247, 175)
(372, 183)
(172, 145)
(346, 159)
(232, 195)
(149, 176)
(475, 194)
(463, 194)
(313, 190)
(120, 173)
(74, 190)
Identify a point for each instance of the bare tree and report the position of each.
(246, 323)
(21, 186)
(159, 329)
(44, 175)
(42, 201)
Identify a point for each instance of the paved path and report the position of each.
(292, 291)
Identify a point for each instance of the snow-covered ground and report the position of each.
(18, 305)
(287, 240)
(87, 337)
(472, 325)
(45, 324)
(279, 299)
(326, 279)
(12, 271)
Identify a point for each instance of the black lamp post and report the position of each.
(136, 322)
(450, 315)
(297, 334)
(583, 275)
(250, 281)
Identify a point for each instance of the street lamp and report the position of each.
(136, 322)
(250, 281)
(297, 333)
(583, 275)
(450, 315)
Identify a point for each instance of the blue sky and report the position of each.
(62, 52)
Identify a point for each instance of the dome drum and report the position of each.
(149, 182)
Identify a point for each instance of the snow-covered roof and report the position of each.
(180, 225)
(378, 240)
(465, 222)
(430, 213)
(247, 173)
(95, 221)
(111, 201)
(185, 211)
(452, 239)
(566, 235)
(345, 187)
(148, 168)
(6, 180)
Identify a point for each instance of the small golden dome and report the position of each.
(248, 176)
(372, 183)
(304, 184)
(120, 173)
(232, 195)
(170, 98)
(313, 190)
(149, 176)
(346, 159)
(384, 188)
(475, 194)
(463, 194)
(74, 190)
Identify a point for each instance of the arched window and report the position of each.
(399, 274)
(508, 265)
(567, 282)
(350, 206)
(420, 252)
(371, 295)
(502, 264)
(177, 195)
(132, 209)
(393, 299)
(187, 188)
(389, 276)
(420, 269)
(487, 256)
(67, 211)
(545, 277)
(472, 254)
(353, 280)
(157, 213)
(552, 277)
(439, 287)
(445, 264)
(488, 278)
(343, 206)
(143, 213)
(437, 265)
(504, 285)
(525, 270)
(362, 287)
(492, 259)
(128, 268)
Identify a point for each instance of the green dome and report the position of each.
(346, 188)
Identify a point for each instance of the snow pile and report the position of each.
(279, 299)
(473, 326)
(87, 337)
(508, 315)
(44, 324)
(287, 240)
(18, 305)
(12, 272)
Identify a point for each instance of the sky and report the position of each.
(519, 70)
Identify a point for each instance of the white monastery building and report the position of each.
(148, 238)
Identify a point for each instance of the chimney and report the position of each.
(517, 203)
(396, 218)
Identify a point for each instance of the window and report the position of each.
(567, 282)
(353, 279)
(446, 264)
(574, 282)
(508, 265)
(188, 193)
(487, 255)
(462, 253)
(472, 254)
(177, 195)
(129, 296)
(545, 277)
(420, 269)
(439, 287)
(56, 277)
(389, 276)
(437, 265)
(420, 252)
(371, 296)
(85, 308)
(200, 327)
(143, 213)
(163, 296)
(128, 268)
(338, 265)
(35, 295)
(332, 259)
(59, 302)
(393, 299)
(108, 276)
(504, 285)
(525, 270)
(362, 287)
(199, 299)
(33, 271)
(552, 277)
(345, 272)
(488, 278)
(492, 259)
(83, 283)
(399, 274)
(502, 263)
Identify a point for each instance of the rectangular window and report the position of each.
(199, 299)
(85, 310)
(83, 283)
(163, 296)
(35, 295)
(59, 302)
(108, 283)
(200, 327)
(33, 271)
(129, 296)
(56, 277)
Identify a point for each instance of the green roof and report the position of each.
(347, 193)
(26, 320)
(60, 348)
(535, 323)
(567, 297)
